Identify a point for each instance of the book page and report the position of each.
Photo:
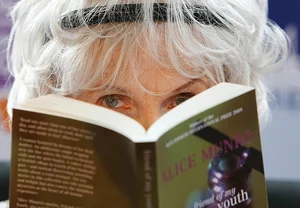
(82, 111)
(59, 162)
(214, 159)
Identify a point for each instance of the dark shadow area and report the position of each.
(281, 194)
(4, 180)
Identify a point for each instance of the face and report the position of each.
(157, 91)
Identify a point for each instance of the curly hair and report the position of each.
(45, 57)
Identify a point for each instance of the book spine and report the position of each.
(146, 175)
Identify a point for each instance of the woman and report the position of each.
(124, 55)
(152, 49)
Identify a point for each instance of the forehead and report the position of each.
(139, 51)
(143, 59)
(143, 72)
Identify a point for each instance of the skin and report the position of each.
(167, 90)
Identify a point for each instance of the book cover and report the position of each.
(60, 162)
(214, 159)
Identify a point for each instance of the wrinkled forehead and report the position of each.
(137, 70)
(133, 56)
(171, 44)
(129, 50)
(139, 49)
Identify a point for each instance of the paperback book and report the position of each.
(205, 153)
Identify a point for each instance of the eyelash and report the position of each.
(185, 96)
(128, 102)
(101, 100)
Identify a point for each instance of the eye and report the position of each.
(113, 102)
(180, 98)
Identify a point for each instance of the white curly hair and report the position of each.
(46, 58)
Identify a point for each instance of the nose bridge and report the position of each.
(149, 114)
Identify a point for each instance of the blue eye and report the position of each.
(180, 98)
(111, 101)
(115, 101)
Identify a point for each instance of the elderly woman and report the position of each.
(141, 58)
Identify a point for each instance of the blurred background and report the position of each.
(280, 139)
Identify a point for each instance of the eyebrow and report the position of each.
(117, 89)
(186, 85)
(182, 87)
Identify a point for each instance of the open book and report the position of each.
(205, 153)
